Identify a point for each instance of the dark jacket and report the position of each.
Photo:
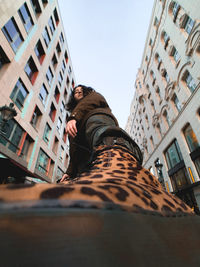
(79, 152)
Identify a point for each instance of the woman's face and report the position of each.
(78, 93)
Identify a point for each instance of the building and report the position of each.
(165, 111)
(36, 75)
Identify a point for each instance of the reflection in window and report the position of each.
(176, 103)
(190, 81)
(46, 134)
(173, 154)
(43, 94)
(26, 17)
(46, 36)
(190, 138)
(12, 34)
(19, 94)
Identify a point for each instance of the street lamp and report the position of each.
(159, 166)
(7, 113)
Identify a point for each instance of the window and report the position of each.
(54, 61)
(19, 94)
(158, 93)
(59, 174)
(62, 38)
(179, 179)
(51, 25)
(64, 135)
(31, 70)
(68, 82)
(65, 95)
(152, 143)
(16, 139)
(3, 58)
(159, 60)
(58, 49)
(36, 6)
(166, 118)
(165, 38)
(36, 117)
(63, 66)
(59, 124)
(49, 76)
(166, 76)
(57, 94)
(56, 16)
(173, 154)
(176, 103)
(43, 94)
(55, 145)
(62, 153)
(46, 36)
(60, 78)
(43, 162)
(46, 134)
(52, 112)
(70, 70)
(25, 17)
(189, 23)
(175, 10)
(12, 34)
(190, 138)
(156, 21)
(39, 51)
(190, 81)
(62, 107)
(175, 54)
(66, 57)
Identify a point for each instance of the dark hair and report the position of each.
(72, 102)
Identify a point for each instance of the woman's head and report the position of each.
(77, 94)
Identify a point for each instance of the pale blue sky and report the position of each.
(106, 40)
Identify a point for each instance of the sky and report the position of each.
(106, 40)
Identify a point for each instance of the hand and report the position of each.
(71, 128)
(64, 178)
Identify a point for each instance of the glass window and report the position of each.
(52, 112)
(176, 8)
(62, 107)
(39, 51)
(190, 138)
(12, 34)
(36, 6)
(60, 78)
(56, 16)
(62, 153)
(51, 25)
(57, 94)
(19, 94)
(49, 76)
(42, 162)
(46, 36)
(188, 25)
(26, 17)
(62, 38)
(36, 117)
(66, 57)
(63, 66)
(54, 61)
(173, 154)
(180, 179)
(31, 70)
(176, 103)
(175, 54)
(46, 134)
(3, 58)
(59, 125)
(43, 94)
(190, 82)
(14, 135)
(58, 49)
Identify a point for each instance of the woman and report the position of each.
(90, 124)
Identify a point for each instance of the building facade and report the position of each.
(36, 75)
(165, 111)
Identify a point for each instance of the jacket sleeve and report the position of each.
(88, 103)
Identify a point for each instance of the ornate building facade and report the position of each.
(165, 111)
(36, 77)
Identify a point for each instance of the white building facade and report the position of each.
(165, 112)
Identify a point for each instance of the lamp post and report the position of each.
(7, 113)
(159, 166)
